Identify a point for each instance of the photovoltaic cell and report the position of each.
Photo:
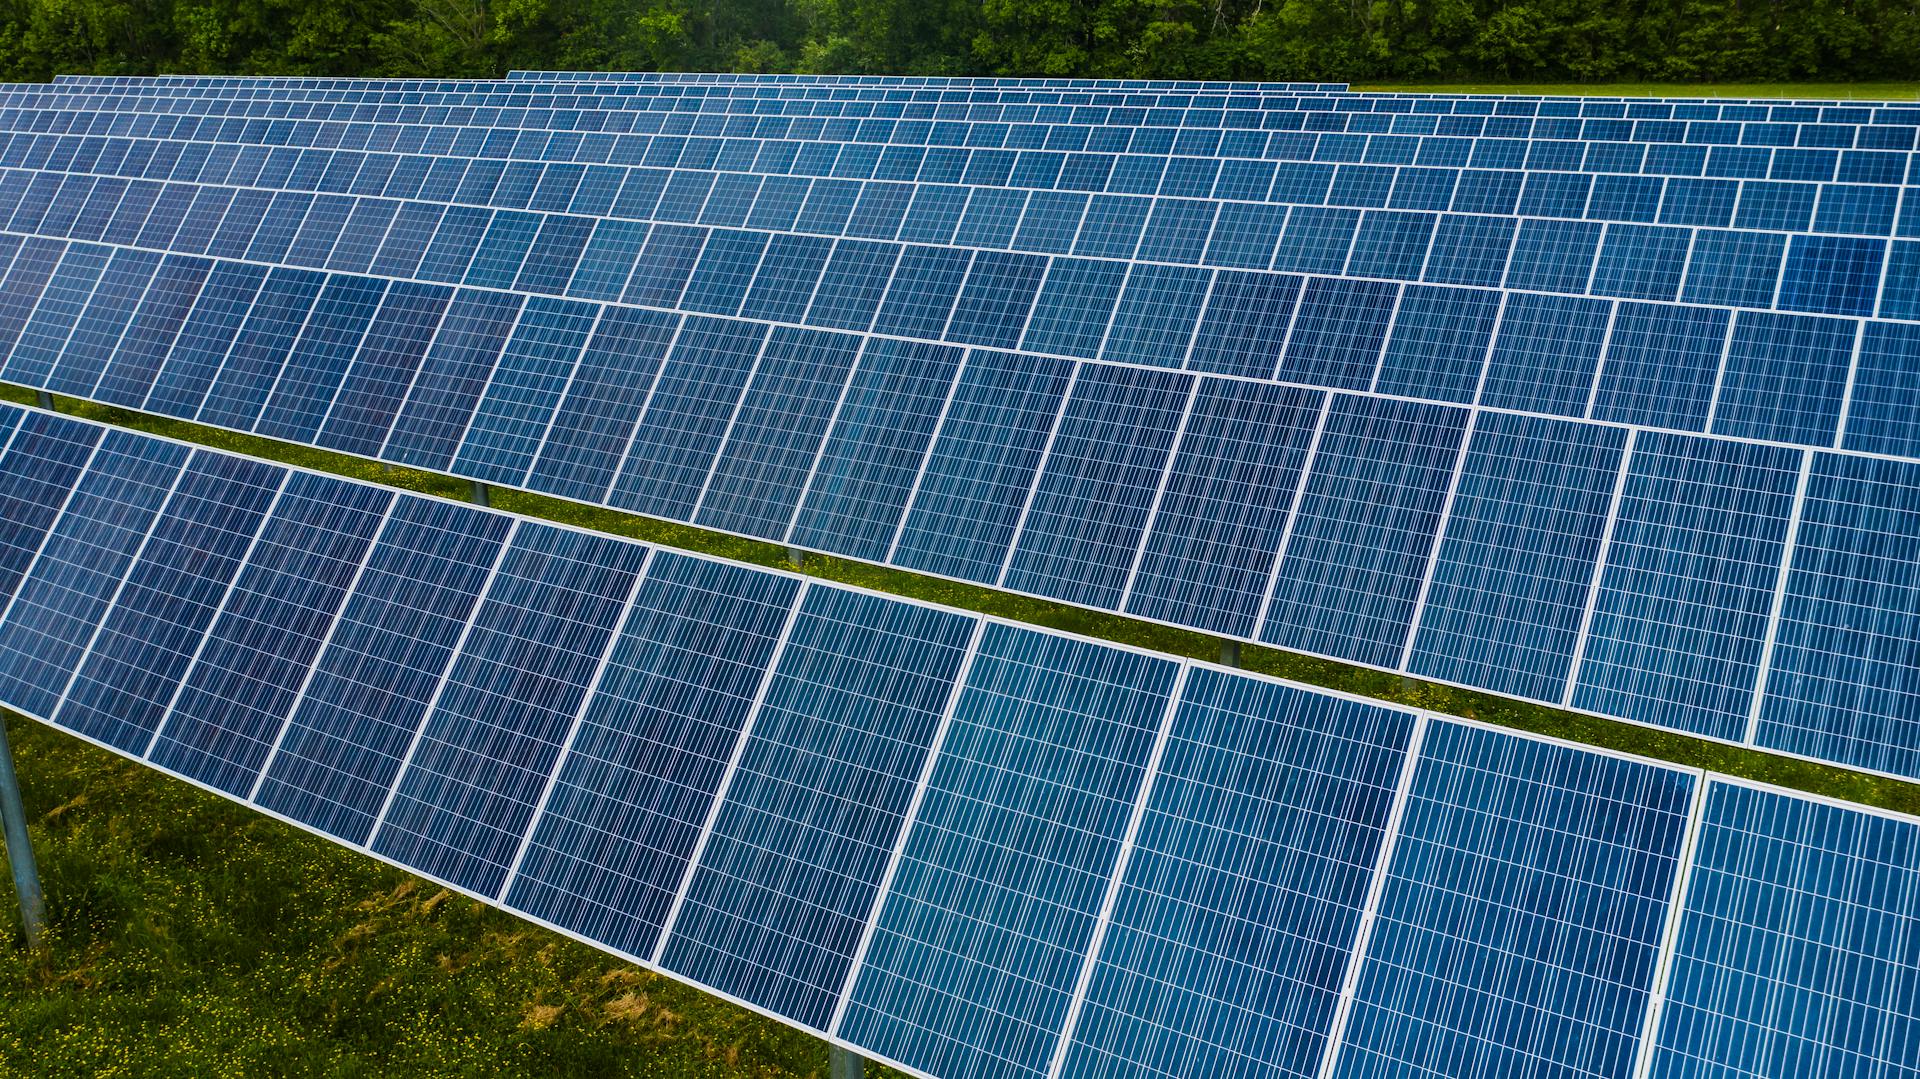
(608, 852)
(79, 568)
(1210, 549)
(1522, 913)
(776, 907)
(488, 745)
(982, 465)
(371, 686)
(237, 693)
(1845, 679)
(1366, 523)
(866, 471)
(1522, 544)
(171, 594)
(1690, 573)
(980, 940)
(1241, 902)
(40, 470)
(1796, 943)
(1090, 505)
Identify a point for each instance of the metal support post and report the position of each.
(479, 493)
(43, 399)
(797, 558)
(26, 875)
(1229, 653)
(843, 1063)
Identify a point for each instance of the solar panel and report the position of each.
(954, 843)
(745, 426)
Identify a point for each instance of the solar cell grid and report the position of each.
(1179, 819)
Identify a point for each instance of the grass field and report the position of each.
(194, 937)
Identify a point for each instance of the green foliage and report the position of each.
(1588, 41)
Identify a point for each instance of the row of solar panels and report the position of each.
(1532, 556)
(1233, 97)
(1821, 152)
(956, 844)
(1099, 305)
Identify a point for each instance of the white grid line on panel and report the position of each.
(1293, 514)
(1853, 365)
(926, 455)
(440, 687)
(306, 322)
(1599, 571)
(1593, 268)
(1199, 319)
(347, 372)
(119, 589)
(1600, 367)
(1039, 473)
(726, 433)
(733, 767)
(1439, 539)
(1159, 494)
(1386, 339)
(1784, 574)
(819, 451)
(1118, 874)
(1670, 937)
(1720, 375)
(573, 728)
(459, 442)
(1376, 887)
(907, 821)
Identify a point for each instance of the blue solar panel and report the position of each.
(372, 683)
(981, 467)
(978, 945)
(1516, 932)
(1090, 506)
(78, 569)
(1241, 901)
(532, 650)
(1681, 614)
(1794, 955)
(1510, 581)
(1842, 684)
(797, 854)
(1224, 505)
(640, 775)
(1350, 572)
(254, 661)
(169, 599)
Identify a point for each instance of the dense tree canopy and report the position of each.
(1344, 40)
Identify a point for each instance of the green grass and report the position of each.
(1808, 91)
(196, 937)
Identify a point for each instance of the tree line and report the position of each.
(1335, 40)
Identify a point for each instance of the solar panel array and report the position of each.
(1647, 459)
(958, 844)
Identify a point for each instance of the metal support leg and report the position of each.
(26, 875)
(480, 493)
(1230, 653)
(43, 399)
(797, 558)
(843, 1063)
